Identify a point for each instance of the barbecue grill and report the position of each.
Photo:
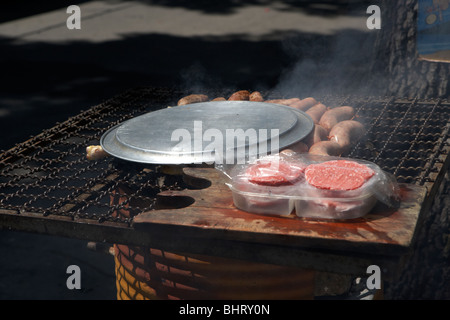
(48, 186)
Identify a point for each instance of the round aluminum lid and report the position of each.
(215, 131)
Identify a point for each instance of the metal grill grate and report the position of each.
(408, 138)
(49, 175)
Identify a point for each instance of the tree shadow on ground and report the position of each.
(48, 82)
(320, 7)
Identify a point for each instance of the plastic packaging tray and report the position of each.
(300, 193)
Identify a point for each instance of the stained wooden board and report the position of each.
(212, 215)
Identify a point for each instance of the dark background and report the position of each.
(48, 81)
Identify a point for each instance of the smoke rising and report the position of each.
(329, 65)
(195, 78)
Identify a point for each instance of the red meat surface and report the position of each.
(338, 175)
(274, 173)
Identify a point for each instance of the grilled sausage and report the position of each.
(193, 98)
(242, 95)
(285, 102)
(256, 96)
(277, 101)
(95, 153)
(326, 148)
(299, 147)
(305, 104)
(331, 117)
(318, 134)
(346, 133)
(287, 152)
(316, 112)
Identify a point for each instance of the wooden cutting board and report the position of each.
(209, 214)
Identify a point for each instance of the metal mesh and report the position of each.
(50, 176)
(408, 138)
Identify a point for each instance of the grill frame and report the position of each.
(69, 214)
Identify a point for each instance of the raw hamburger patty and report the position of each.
(274, 173)
(338, 175)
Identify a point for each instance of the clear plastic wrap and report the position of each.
(312, 186)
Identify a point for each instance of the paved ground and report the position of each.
(50, 73)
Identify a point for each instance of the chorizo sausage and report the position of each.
(318, 134)
(95, 153)
(305, 104)
(287, 152)
(192, 98)
(285, 102)
(346, 133)
(316, 112)
(331, 117)
(256, 96)
(242, 95)
(326, 148)
(299, 147)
